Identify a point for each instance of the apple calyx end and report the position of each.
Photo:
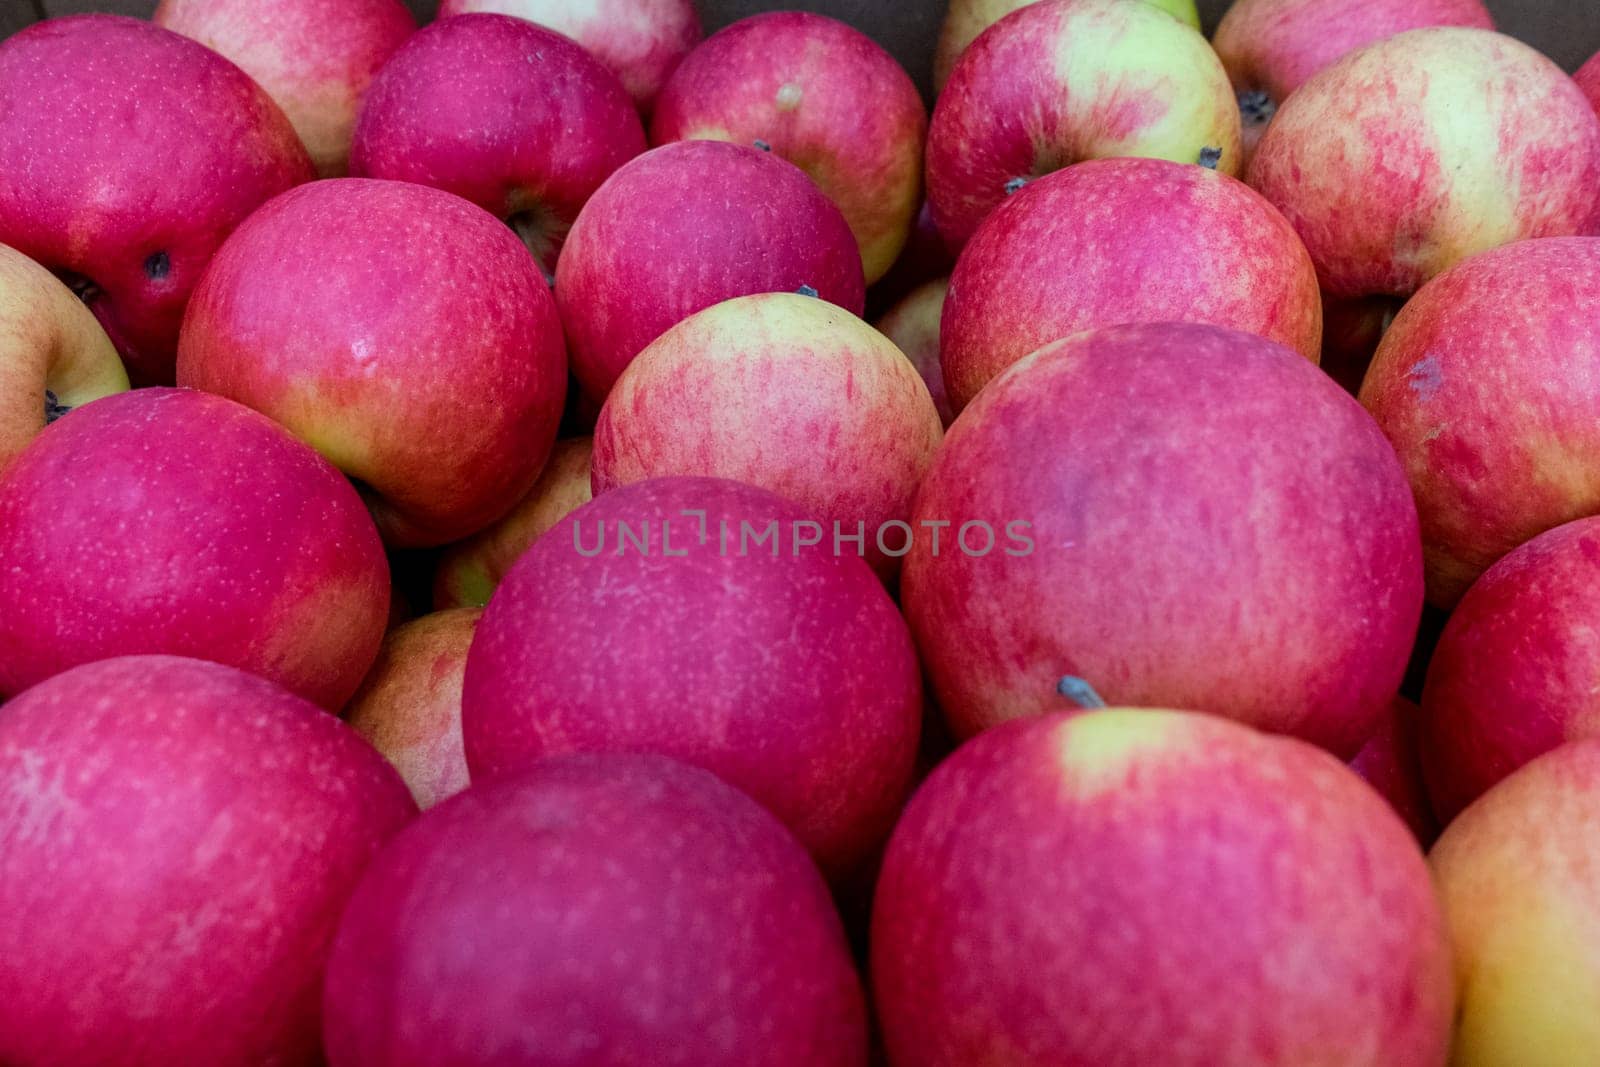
(1256, 107)
(1080, 693)
(53, 407)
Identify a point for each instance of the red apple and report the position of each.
(1129, 888)
(180, 839)
(913, 325)
(687, 226)
(315, 57)
(404, 333)
(642, 41)
(1123, 241)
(1062, 81)
(1483, 384)
(200, 529)
(1184, 516)
(1392, 764)
(514, 117)
(616, 909)
(130, 202)
(1588, 79)
(1407, 156)
(794, 83)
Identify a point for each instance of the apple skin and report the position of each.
(782, 391)
(404, 333)
(1406, 157)
(469, 572)
(1062, 81)
(594, 909)
(1218, 526)
(1480, 384)
(742, 221)
(795, 81)
(1391, 763)
(913, 326)
(791, 675)
(132, 203)
(213, 534)
(1126, 888)
(1120, 241)
(641, 41)
(49, 344)
(509, 115)
(315, 58)
(1588, 79)
(180, 840)
(1516, 874)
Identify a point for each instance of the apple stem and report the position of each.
(1015, 185)
(1256, 107)
(1080, 693)
(53, 408)
(806, 290)
(763, 145)
(1210, 157)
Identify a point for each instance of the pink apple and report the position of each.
(1062, 81)
(180, 839)
(913, 325)
(1407, 156)
(1391, 763)
(315, 57)
(1215, 526)
(687, 226)
(642, 41)
(404, 333)
(1123, 241)
(129, 203)
(786, 392)
(617, 909)
(1588, 79)
(1128, 888)
(203, 530)
(795, 82)
(512, 116)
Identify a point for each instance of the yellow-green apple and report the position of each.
(126, 203)
(1517, 875)
(512, 116)
(1272, 47)
(315, 58)
(967, 19)
(786, 392)
(180, 839)
(705, 620)
(794, 83)
(913, 326)
(53, 354)
(1409, 155)
(1126, 888)
(1484, 384)
(212, 533)
(1123, 241)
(404, 333)
(468, 573)
(1588, 79)
(742, 221)
(594, 909)
(1218, 526)
(1062, 81)
(1391, 763)
(642, 41)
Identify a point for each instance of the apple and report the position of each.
(924, 259)
(1405, 157)
(787, 392)
(1588, 79)
(469, 572)
(53, 354)
(794, 82)
(1062, 81)
(1125, 888)
(171, 521)
(1351, 332)
(401, 331)
(1392, 764)
(1483, 385)
(129, 204)
(688, 616)
(180, 839)
(1516, 873)
(1183, 516)
(514, 117)
(1272, 47)
(315, 58)
(967, 19)
(594, 909)
(1120, 241)
(913, 326)
(686, 226)
(642, 41)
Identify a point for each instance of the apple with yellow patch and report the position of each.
(913, 325)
